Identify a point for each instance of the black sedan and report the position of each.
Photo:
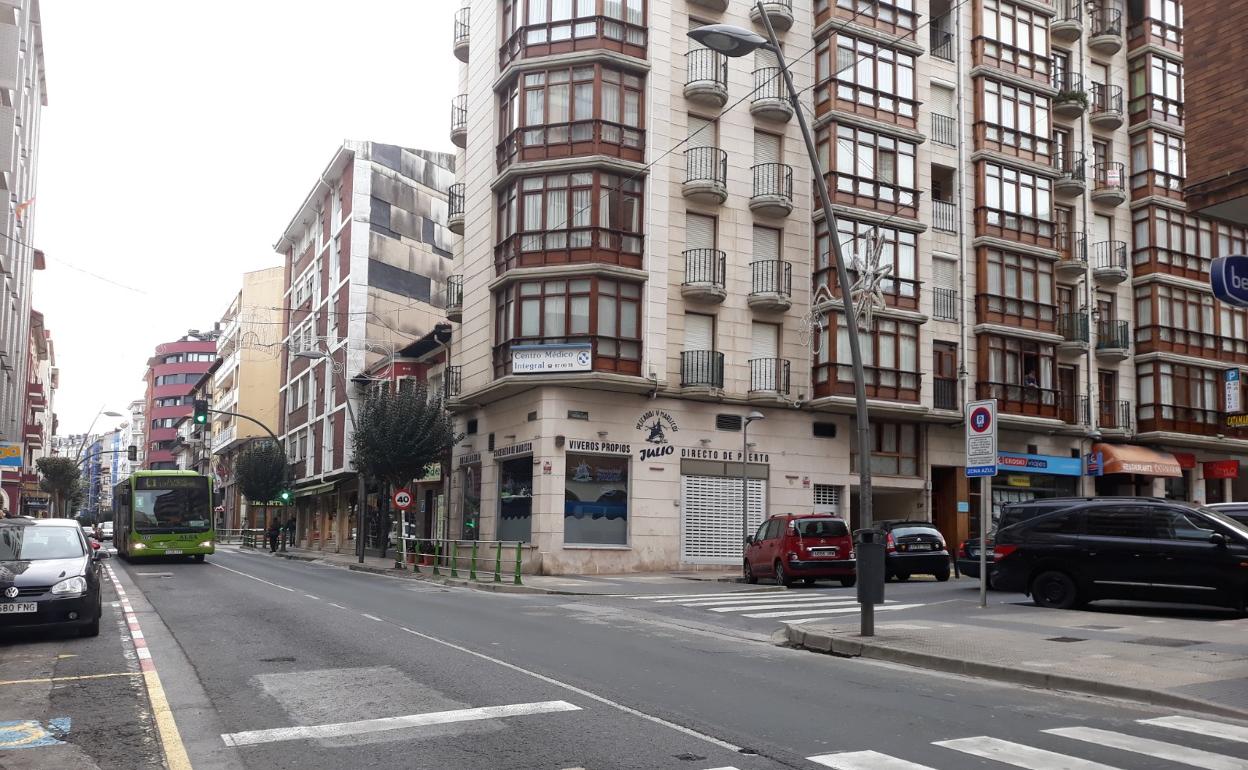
(49, 576)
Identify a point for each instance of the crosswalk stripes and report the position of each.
(786, 606)
(1028, 757)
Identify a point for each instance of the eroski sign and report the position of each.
(1229, 278)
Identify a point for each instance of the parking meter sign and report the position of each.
(981, 438)
(402, 499)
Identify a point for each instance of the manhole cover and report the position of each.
(1157, 641)
(1065, 639)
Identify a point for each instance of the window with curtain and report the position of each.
(1017, 200)
(1018, 285)
(899, 250)
(1156, 86)
(865, 73)
(871, 164)
(1014, 36)
(532, 27)
(1015, 117)
(605, 312)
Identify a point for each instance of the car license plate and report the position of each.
(173, 551)
(826, 554)
(12, 607)
(920, 546)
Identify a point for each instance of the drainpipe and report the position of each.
(963, 297)
(1089, 288)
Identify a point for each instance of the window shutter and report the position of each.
(766, 147)
(942, 100)
(701, 132)
(766, 244)
(699, 232)
(765, 341)
(699, 332)
(1101, 227)
(944, 273)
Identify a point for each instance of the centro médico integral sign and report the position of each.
(537, 359)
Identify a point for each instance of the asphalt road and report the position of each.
(254, 650)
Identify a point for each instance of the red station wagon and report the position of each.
(805, 546)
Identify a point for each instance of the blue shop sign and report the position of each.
(1014, 462)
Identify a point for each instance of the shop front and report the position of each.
(1128, 469)
(1022, 477)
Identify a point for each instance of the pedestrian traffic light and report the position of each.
(201, 411)
(132, 453)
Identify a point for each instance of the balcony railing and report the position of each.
(452, 378)
(1073, 327)
(941, 44)
(1113, 334)
(706, 165)
(882, 382)
(1184, 419)
(701, 368)
(1108, 255)
(1114, 415)
(1031, 400)
(1106, 20)
(945, 393)
(1110, 177)
(455, 208)
(454, 293)
(706, 69)
(705, 268)
(1073, 247)
(944, 304)
(463, 30)
(944, 216)
(769, 84)
(1106, 102)
(771, 276)
(769, 375)
(1071, 98)
(944, 130)
(459, 120)
(773, 180)
(1073, 168)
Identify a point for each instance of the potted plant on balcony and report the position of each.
(1072, 95)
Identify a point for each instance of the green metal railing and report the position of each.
(251, 536)
(452, 557)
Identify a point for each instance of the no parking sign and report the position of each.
(981, 438)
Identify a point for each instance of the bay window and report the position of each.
(890, 358)
(1016, 289)
(1187, 321)
(867, 78)
(1172, 241)
(583, 110)
(870, 169)
(1012, 38)
(1156, 89)
(605, 313)
(1158, 165)
(544, 27)
(894, 450)
(892, 15)
(898, 250)
(1179, 397)
(1016, 204)
(1020, 374)
(1014, 118)
(583, 216)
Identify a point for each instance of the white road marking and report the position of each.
(1208, 727)
(776, 597)
(737, 594)
(1019, 755)
(339, 606)
(252, 577)
(785, 606)
(584, 693)
(864, 760)
(1160, 749)
(372, 617)
(365, 726)
(310, 596)
(798, 613)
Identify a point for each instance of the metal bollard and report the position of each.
(519, 545)
(454, 558)
(498, 562)
(472, 571)
(437, 555)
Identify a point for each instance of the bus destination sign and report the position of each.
(170, 482)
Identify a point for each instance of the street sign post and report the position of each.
(981, 462)
(1234, 403)
(402, 499)
(1229, 278)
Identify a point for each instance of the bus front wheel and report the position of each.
(199, 557)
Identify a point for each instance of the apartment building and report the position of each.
(367, 258)
(172, 372)
(246, 382)
(39, 422)
(640, 268)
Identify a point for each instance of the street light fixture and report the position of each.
(745, 476)
(734, 41)
(85, 436)
(360, 494)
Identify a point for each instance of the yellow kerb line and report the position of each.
(55, 679)
(170, 738)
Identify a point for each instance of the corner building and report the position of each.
(642, 265)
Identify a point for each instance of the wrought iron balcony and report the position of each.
(769, 376)
(706, 175)
(1110, 186)
(462, 34)
(455, 298)
(771, 97)
(1106, 110)
(1113, 340)
(1109, 261)
(455, 208)
(701, 369)
(1067, 25)
(704, 275)
(773, 190)
(1071, 99)
(1074, 330)
(771, 285)
(706, 77)
(1105, 35)
(1073, 180)
(779, 13)
(459, 121)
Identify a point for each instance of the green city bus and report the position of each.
(163, 513)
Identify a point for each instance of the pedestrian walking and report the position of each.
(290, 531)
(275, 531)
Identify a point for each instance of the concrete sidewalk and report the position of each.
(1186, 658)
(568, 585)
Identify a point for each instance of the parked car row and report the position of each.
(809, 547)
(1067, 552)
(52, 575)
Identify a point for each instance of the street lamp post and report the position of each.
(745, 483)
(736, 41)
(85, 436)
(361, 493)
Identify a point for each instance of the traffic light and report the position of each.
(132, 453)
(201, 411)
(285, 496)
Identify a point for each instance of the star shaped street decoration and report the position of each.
(866, 292)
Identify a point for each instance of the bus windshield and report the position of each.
(183, 508)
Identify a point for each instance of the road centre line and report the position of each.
(1171, 752)
(366, 726)
(372, 617)
(57, 679)
(170, 739)
(584, 693)
(252, 577)
(310, 596)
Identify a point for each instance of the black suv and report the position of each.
(1142, 549)
(914, 548)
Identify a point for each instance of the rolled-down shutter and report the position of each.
(699, 332)
(699, 232)
(766, 147)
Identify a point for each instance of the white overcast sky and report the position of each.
(178, 141)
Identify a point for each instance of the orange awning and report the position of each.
(1127, 458)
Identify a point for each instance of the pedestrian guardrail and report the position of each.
(230, 535)
(477, 558)
(250, 537)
